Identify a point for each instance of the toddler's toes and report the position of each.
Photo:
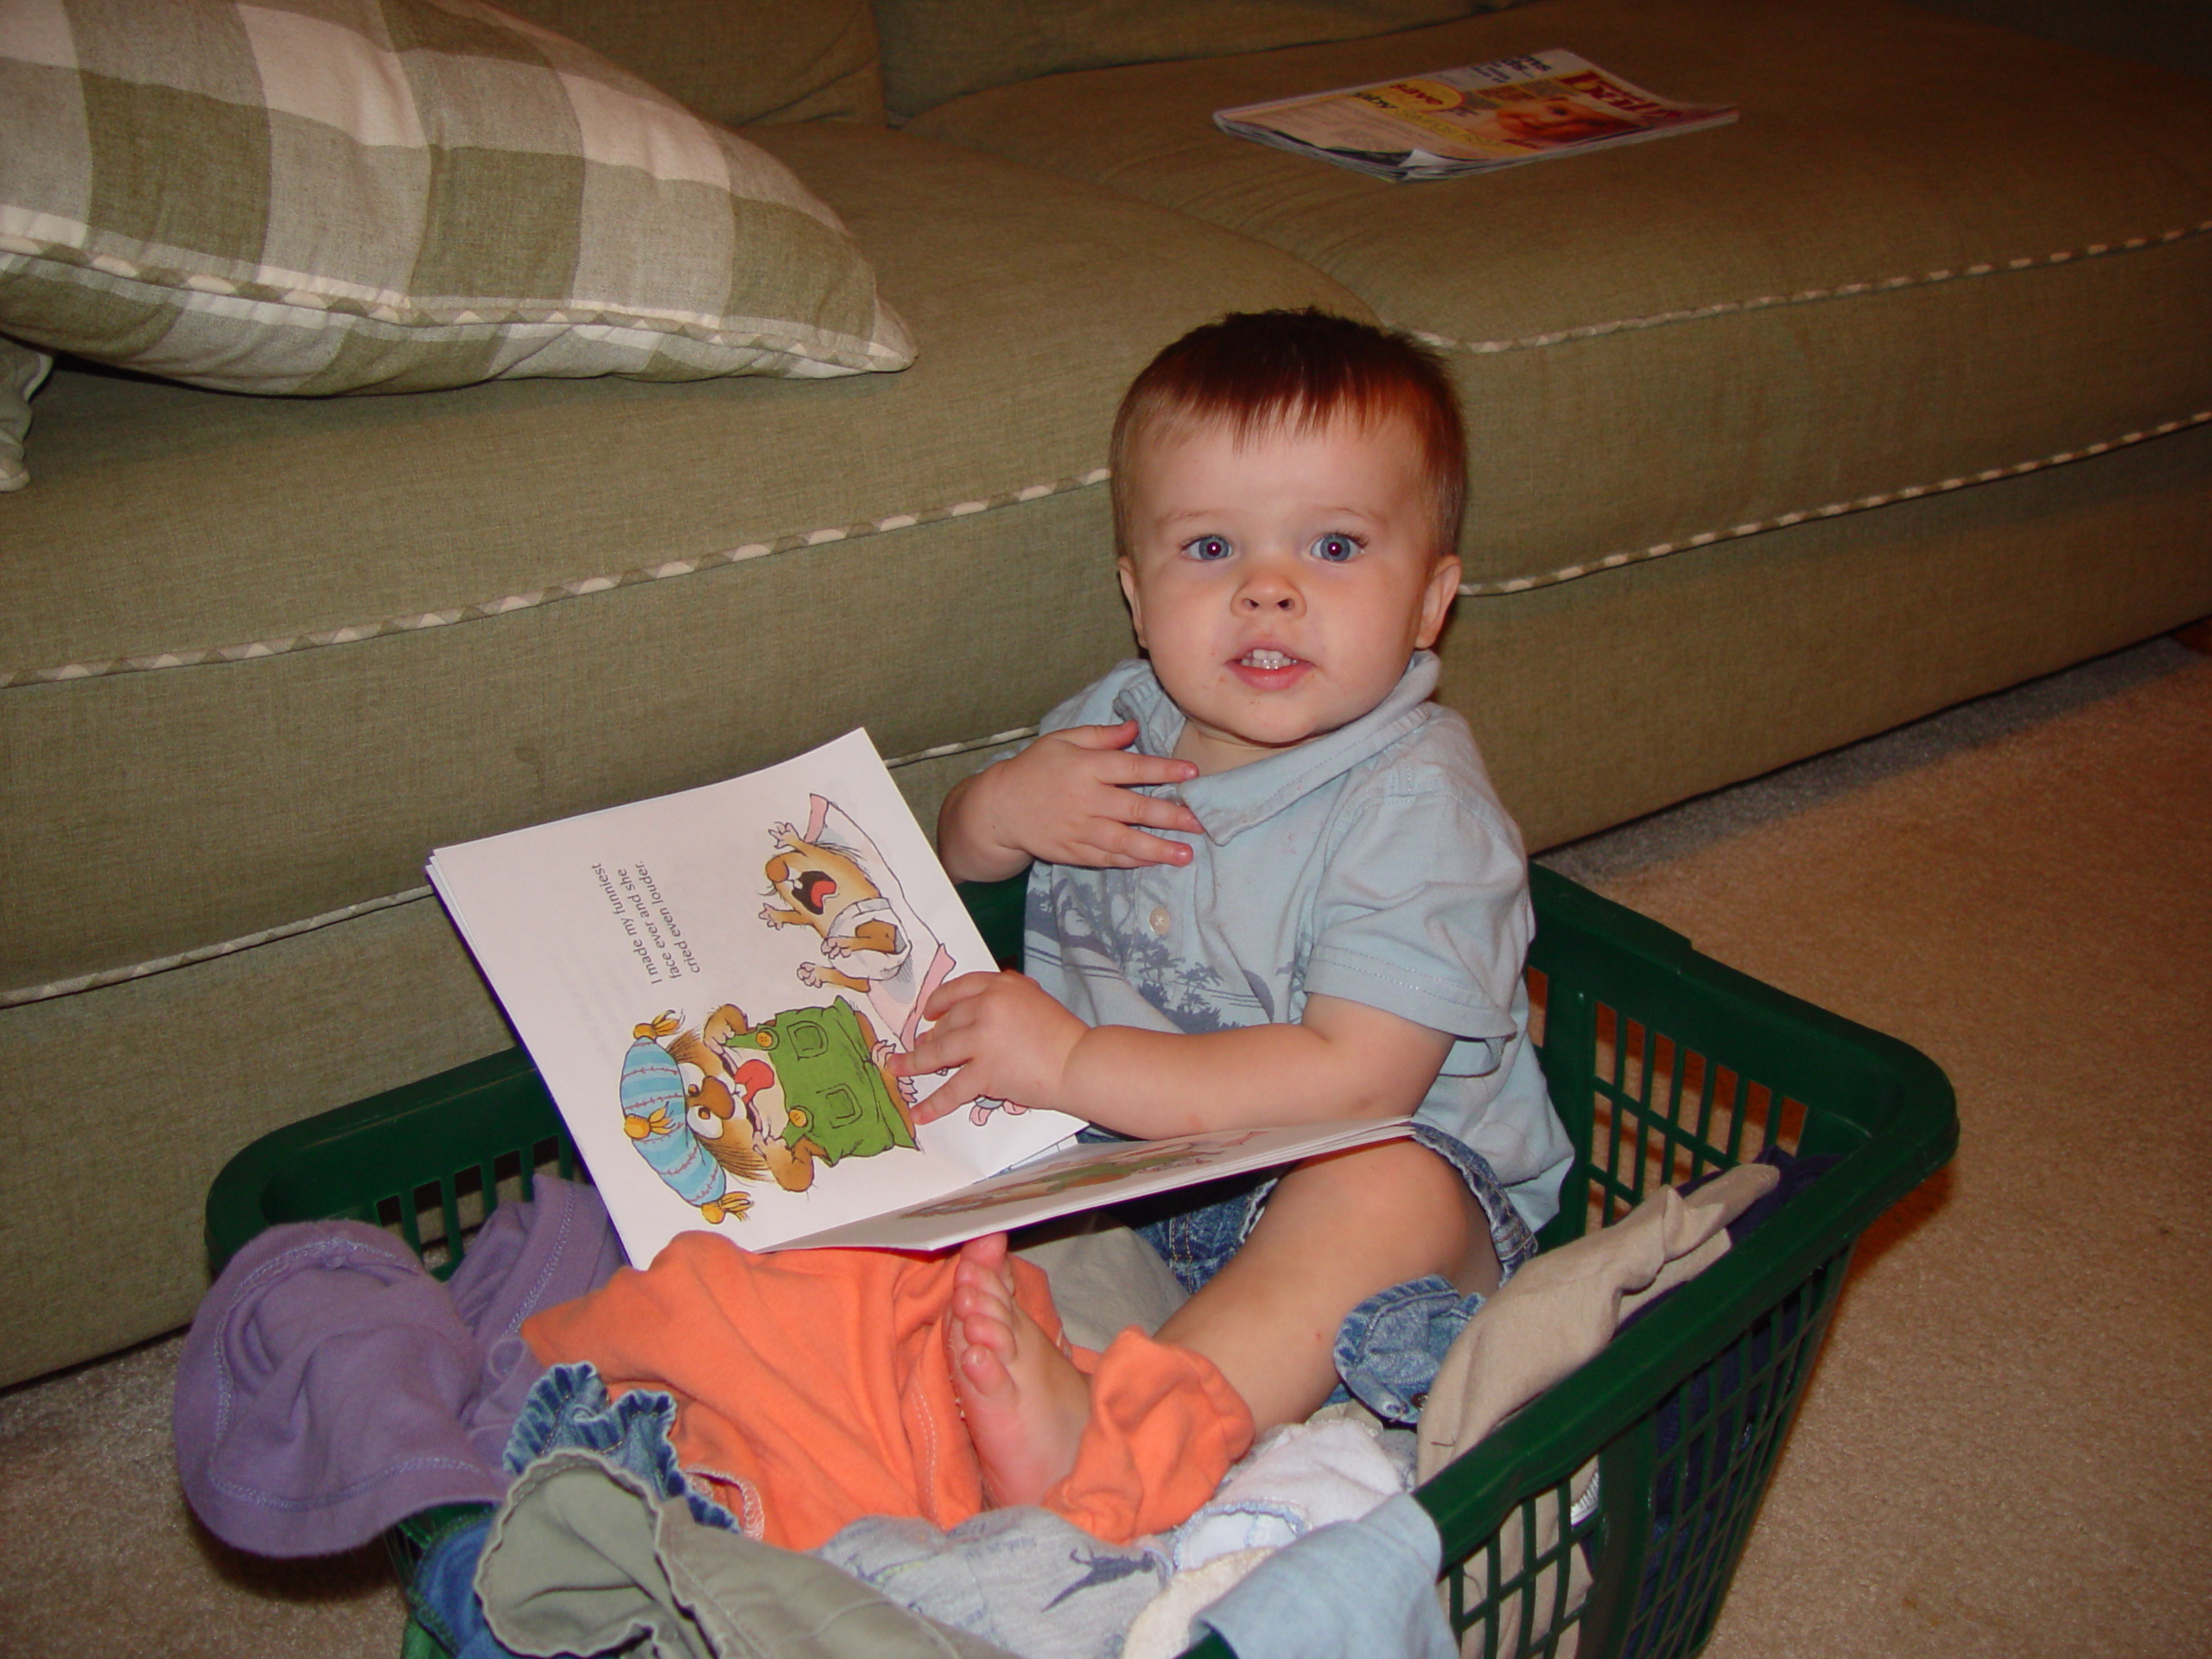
(985, 1373)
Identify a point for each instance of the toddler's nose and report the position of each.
(1268, 591)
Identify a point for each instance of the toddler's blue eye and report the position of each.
(1209, 547)
(1336, 550)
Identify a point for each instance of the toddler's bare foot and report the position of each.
(1025, 1402)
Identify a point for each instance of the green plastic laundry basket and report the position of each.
(1664, 1066)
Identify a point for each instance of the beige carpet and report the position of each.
(2004, 1449)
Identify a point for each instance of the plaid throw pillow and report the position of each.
(313, 196)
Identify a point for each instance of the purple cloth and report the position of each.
(331, 1386)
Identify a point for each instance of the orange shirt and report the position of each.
(814, 1387)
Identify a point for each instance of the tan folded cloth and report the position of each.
(1564, 1306)
(1556, 1312)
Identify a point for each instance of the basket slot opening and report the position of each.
(1790, 1127)
(1717, 1437)
(437, 1218)
(396, 1215)
(1565, 1566)
(1663, 1114)
(1519, 1611)
(553, 1156)
(1523, 1587)
(1769, 1121)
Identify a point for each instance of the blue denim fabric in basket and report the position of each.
(442, 1594)
(1388, 1347)
(569, 1407)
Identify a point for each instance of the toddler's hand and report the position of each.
(1008, 1038)
(1070, 798)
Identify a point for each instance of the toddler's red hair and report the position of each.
(1256, 370)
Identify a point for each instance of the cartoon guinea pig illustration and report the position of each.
(736, 1108)
(734, 1102)
(806, 1084)
(834, 881)
(657, 1094)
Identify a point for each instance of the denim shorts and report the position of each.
(1388, 1347)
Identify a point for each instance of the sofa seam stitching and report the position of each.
(1504, 585)
(802, 539)
(531, 599)
(102, 978)
(1809, 295)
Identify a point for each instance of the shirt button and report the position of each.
(1161, 921)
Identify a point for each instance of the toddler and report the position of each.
(1269, 884)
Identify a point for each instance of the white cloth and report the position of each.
(1301, 1477)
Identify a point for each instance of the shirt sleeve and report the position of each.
(1423, 913)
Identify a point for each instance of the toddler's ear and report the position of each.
(1436, 600)
(1127, 569)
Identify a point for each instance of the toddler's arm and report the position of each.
(1012, 1041)
(1067, 798)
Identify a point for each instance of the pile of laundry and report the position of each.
(332, 1387)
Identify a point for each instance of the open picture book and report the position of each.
(715, 986)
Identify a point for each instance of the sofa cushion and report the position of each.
(934, 50)
(1896, 274)
(311, 639)
(344, 196)
(735, 61)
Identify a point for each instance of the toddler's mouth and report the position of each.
(1267, 657)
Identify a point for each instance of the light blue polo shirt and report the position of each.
(1375, 863)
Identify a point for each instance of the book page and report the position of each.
(1096, 1173)
(711, 985)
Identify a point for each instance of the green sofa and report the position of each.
(1897, 391)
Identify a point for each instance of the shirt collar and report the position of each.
(1229, 803)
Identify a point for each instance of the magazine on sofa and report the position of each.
(1475, 119)
(713, 985)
